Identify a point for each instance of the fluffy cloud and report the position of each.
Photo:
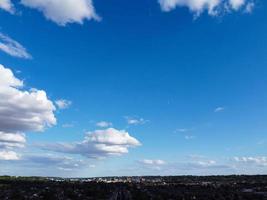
(98, 144)
(63, 104)
(20, 111)
(213, 7)
(103, 124)
(11, 140)
(236, 4)
(64, 11)
(8, 155)
(7, 6)
(12, 47)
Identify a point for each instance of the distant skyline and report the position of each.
(169, 87)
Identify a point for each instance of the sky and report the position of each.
(119, 88)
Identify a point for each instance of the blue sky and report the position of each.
(133, 88)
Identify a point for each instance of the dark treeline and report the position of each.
(139, 188)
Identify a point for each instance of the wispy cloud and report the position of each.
(103, 124)
(68, 125)
(153, 164)
(12, 47)
(135, 120)
(189, 137)
(219, 109)
(63, 103)
(260, 161)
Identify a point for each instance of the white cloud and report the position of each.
(219, 109)
(98, 144)
(236, 4)
(11, 140)
(12, 47)
(63, 104)
(7, 5)
(213, 7)
(153, 162)
(9, 155)
(63, 12)
(103, 124)
(21, 111)
(257, 161)
(135, 120)
(207, 163)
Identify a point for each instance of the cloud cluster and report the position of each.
(12, 47)
(98, 144)
(64, 11)
(213, 7)
(253, 161)
(21, 111)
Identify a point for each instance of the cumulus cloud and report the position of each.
(9, 155)
(12, 47)
(21, 111)
(213, 7)
(63, 12)
(63, 104)
(98, 144)
(103, 124)
(11, 140)
(7, 5)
